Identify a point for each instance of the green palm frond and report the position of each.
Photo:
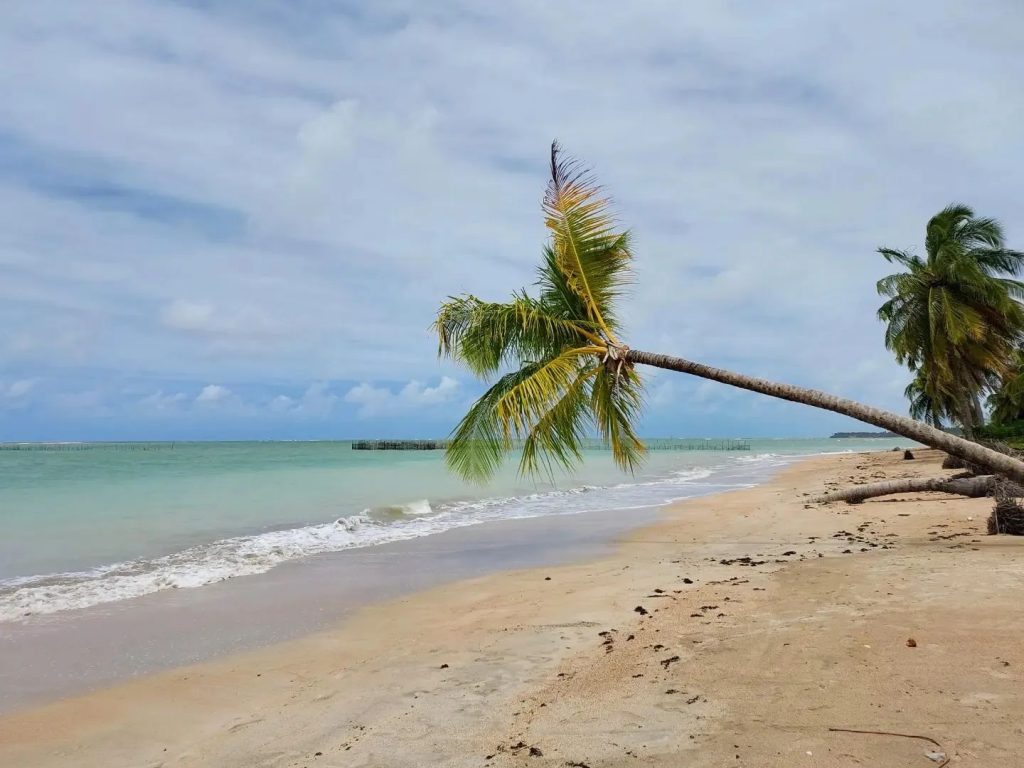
(532, 398)
(616, 399)
(905, 258)
(997, 259)
(924, 406)
(1007, 400)
(954, 317)
(566, 380)
(556, 438)
(591, 255)
(487, 335)
(479, 442)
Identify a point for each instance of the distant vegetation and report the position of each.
(864, 434)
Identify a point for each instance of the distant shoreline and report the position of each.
(864, 435)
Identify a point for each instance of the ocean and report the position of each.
(92, 524)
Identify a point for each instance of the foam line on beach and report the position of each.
(207, 563)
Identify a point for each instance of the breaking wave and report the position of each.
(228, 558)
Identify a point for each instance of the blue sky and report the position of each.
(236, 220)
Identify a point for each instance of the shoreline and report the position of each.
(558, 660)
(56, 655)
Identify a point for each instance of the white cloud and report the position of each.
(378, 401)
(18, 389)
(316, 401)
(281, 403)
(242, 329)
(187, 316)
(161, 402)
(249, 198)
(213, 393)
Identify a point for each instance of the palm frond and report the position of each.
(478, 444)
(556, 438)
(895, 256)
(487, 335)
(977, 232)
(616, 400)
(558, 344)
(923, 406)
(525, 404)
(999, 260)
(590, 253)
(955, 318)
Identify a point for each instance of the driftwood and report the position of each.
(973, 487)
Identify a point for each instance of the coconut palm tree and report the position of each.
(569, 370)
(1007, 401)
(953, 317)
(923, 406)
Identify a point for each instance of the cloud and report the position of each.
(162, 402)
(376, 401)
(187, 316)
(18, 389)
(224, 192)
(213, 393)
(316, 401)
(243, 330)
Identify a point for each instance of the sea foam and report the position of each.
(228, 558)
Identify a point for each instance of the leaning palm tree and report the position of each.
(569, 370)
(953, 317)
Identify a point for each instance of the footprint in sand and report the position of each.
(244, 724)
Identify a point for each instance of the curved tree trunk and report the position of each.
(972, 487)
(914, 430)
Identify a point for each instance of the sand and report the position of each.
(671, 651)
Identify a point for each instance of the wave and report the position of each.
(257, 553)
(396, 512)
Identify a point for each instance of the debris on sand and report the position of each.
(1007, 517)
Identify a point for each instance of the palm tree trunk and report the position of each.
(972, 487)
(966, 418)
(920, 432)
(977, 410)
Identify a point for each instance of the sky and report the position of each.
(236, 220)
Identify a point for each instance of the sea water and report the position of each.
(83, 525)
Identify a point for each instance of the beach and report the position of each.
(737, 629)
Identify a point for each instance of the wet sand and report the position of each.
(57, 655)
(737, 630)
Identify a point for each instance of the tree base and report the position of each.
(1007, 517)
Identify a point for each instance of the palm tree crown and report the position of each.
(563, 345)
(954, 317)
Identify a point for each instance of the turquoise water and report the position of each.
(102, 523)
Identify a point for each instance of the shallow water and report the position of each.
(101, 524)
